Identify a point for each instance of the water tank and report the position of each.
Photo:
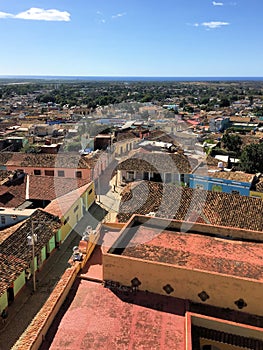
(220, 165)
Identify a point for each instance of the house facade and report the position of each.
(16, 264)
(156, 166)
(222, 182)
(70, 208)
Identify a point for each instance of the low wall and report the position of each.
(33, 336)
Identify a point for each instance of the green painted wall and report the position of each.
(3, 301)
(35, 265)
(58, 236)
(43, 254)
(51, 244)
(19, 283)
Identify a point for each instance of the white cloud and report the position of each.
(6, 15)
(118, 15)
(39, 14)
(214, 24)
(217, 3)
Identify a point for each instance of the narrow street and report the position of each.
(27, 304)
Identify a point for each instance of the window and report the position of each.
(76, 208)
(49, 172)
(78, 174)
(168, 177)
(66, 220)
(2, 220)
(37, 172)
(90, 191)
(61, 173)
(130, 175)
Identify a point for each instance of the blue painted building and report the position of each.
(216, 183)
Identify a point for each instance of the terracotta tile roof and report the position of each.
(126, 135)
(170, 201)
(4, 157)
(159, 135)
(193, 251)
(16, 254)
(158, 161)
(259, 186)
(10, 267)
(5, 233)
(49, 188)
(233, 175)
(60, 160)
(14, 194)
(61, 205)
(212, 161)
(236, 119)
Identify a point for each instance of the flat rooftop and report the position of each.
(192, 251)
(100, 319)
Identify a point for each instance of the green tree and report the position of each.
(224, 102)
(232, 142)
(251, 159)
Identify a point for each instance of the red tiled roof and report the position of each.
(49, 188)
(13, 195)
(61, 205)
(170, 201)
(233, 175)
(194, 251)
(156, 162)
(60, 160)
(16, 253)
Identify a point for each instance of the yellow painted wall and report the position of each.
(3, 301)
(71, 218)
(19, 283)
(89, 196)
(74, 215)
(256, 194)
(187, 284)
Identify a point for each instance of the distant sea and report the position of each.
(126, 79)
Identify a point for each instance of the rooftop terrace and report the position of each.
(195, 251)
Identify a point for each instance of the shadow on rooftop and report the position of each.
(55, 325)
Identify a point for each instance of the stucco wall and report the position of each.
(19, 283)
(256, 194)
(68, 172)
(3, 301)
(223, 290)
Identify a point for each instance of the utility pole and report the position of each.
(31, 241)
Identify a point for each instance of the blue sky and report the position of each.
(131, 37)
